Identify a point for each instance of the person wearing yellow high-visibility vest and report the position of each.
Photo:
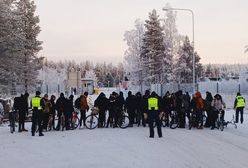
(37, 114)
(239, 105)
(153, 114)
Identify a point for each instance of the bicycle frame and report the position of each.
(220, 120)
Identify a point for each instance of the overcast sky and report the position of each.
(93, 29)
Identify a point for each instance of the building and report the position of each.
(76, 85)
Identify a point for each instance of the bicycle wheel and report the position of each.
(91, 121)
(173, 123)
(74, 122)
(123, 121)
(165, 122)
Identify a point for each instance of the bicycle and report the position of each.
(232, 122)
(123, 120)
(220, 120)
(164, 121)
(168, 120)
(61, 123)
(91, 121)
(51, 124)
(174, 120)
(195, 122)
(74, 119)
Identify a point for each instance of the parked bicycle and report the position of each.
(232, 122)
(169, 120)
(220, 119)
(75, 119)
(91, 121)
(195, 122)
(51, 123)
(123, 120)
(174, 120)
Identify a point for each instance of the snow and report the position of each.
(124, 148)
(127, 148)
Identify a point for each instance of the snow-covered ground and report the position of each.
(128, 148)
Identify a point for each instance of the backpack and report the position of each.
(77, 103)
(17, 103)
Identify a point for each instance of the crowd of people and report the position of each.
(141, 109)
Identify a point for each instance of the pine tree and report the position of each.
(172, 40)
(30, 63)
(184, 70)
(10, 45)
(153, 50)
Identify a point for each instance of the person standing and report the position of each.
(84, 107)
(218, 107)
(102, 103)
(180, 108)
(130, 106)
(208, 108)
(21, 105)
(144, 109)
(153, 114)
(53, 110)
(199, 107)
(239, 105)
(60, 107)
(46, 105)
(68, 112)
(37, 114)
(138, 108)
(112, 110)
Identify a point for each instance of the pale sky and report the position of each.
(94, 29)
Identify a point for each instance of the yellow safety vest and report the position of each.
(36, 102)
(153, 103)
(240, 101)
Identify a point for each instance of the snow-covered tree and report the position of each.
(153, 50)
(133, 64)
(29, 62)
(5, 27)
(90, 74)
(11, 45)
(184, 65)
(172, 40)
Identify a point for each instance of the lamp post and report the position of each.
(193, 38)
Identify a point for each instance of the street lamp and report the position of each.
(193, 38)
